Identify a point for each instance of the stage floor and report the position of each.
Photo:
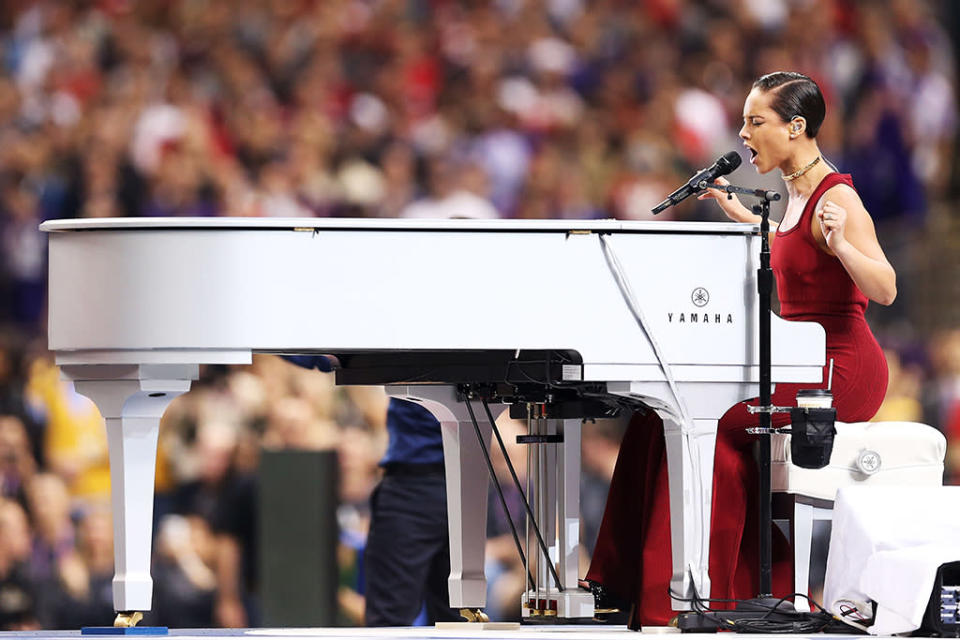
(410, 633)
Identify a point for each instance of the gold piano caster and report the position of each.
(127, 618)
(474, 615)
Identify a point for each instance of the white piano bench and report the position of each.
(864, 453)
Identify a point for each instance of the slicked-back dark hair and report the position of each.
(795, 95)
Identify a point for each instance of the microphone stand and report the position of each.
(764, 292)
(765, 408)
(764, 606)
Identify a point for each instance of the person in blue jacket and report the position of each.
(407, 556)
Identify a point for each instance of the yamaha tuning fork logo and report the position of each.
(698, 314)
(700, 297)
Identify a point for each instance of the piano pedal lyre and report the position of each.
(540, 599)
(127, 619)
(549, 550)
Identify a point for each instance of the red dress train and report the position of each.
(632, 557)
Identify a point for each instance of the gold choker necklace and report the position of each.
(799, 172)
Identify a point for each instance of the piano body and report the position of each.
(562, 319)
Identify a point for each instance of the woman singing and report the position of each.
(828, 264)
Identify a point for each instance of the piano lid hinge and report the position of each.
(588, 232)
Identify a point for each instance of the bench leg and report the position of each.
(802, 538)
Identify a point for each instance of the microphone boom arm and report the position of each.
(763, 194)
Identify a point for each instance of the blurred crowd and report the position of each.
(381, 108)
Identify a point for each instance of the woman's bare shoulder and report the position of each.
(845, 196)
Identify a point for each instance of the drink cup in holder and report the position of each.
(814, 398)
(812, 431)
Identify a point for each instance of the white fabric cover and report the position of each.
(910, 454)
(886, 545)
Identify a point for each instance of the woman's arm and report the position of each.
(843, 228)
(733, 208)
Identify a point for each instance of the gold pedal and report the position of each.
(126, 619)
(474, 615)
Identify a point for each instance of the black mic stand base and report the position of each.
(755, 609)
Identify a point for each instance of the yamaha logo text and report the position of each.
(700, 298)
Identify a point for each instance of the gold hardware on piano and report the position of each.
(126, 619)
(474, 615)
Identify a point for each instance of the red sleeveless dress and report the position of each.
(632, 556)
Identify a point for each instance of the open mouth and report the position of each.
(753, 155)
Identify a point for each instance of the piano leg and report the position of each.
(467, 485)
(131, 398)
(690, 467)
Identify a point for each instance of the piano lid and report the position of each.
(402, 224)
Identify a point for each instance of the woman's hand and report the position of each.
(833, 223)
(730, 205)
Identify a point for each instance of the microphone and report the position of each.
(724, 165)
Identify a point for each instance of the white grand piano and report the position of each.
(563, 319)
